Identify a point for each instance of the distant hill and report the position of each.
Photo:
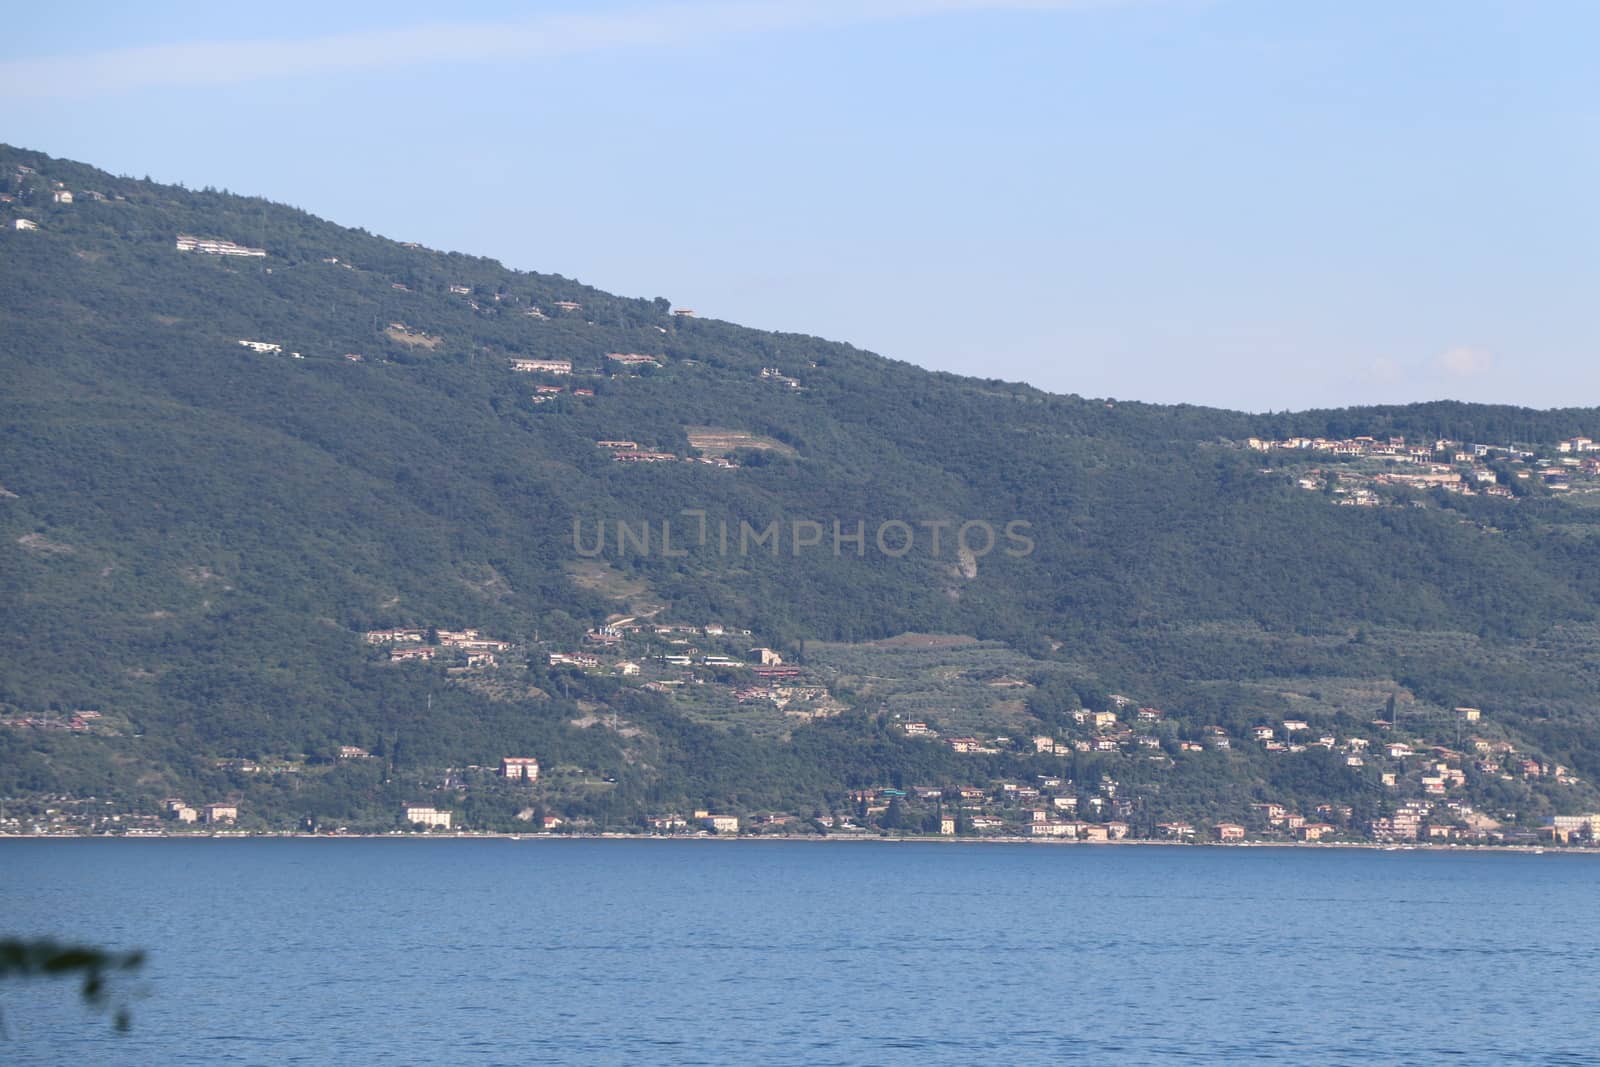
(221, 469)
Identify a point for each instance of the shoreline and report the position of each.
(1369, 846)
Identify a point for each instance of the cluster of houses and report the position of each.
(758, 656)
(1437, 769)
(623, 451)
(1422, 819)
(1352, 446)
(408, 644)
(218, 814)
(1438, 772)
(25, 180)
(750, 676)
(1110, 735)
(1050, 809)
(562, 368)
(1356, 489)
(781, 696)
(76, 722)
(701, 821)
(1448, 465)
(627, 648)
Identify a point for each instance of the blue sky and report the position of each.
(1246, 203)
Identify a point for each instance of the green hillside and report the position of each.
(195, 535)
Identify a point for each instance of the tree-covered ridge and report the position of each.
(198, 533)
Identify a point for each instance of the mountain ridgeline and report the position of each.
(222, 470)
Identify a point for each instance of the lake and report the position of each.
(713, 952)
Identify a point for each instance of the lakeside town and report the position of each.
(1422, 765)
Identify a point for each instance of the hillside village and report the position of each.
(1367, 472)
(1425, 772)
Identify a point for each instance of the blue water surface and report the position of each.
(709, 952)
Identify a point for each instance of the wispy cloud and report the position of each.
(1383, 371)
(202, 63)
(1463, 362)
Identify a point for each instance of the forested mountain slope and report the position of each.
(197, 533)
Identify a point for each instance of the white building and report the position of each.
(542, 366)
(190, 243)
(525, 768)
(216, 813)
(427, 816)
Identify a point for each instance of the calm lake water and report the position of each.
(599, 952)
